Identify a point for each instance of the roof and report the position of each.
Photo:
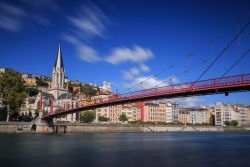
(59, 59)
(65, 96)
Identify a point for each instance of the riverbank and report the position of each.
(28, 127)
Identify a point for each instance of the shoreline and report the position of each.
(62, 128)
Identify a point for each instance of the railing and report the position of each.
(165, 90)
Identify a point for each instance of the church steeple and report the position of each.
(59, 60)
(58, 76)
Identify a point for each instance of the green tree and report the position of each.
(41, 83)
(36, 113)
(87, 117)
(227, 123)
(234, 123)
(88, 90)
(103, 119)
(13, 90)
(70, 87)
(32, 91)
(123, 117)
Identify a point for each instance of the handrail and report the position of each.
(179, 88)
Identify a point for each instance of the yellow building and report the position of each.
(30, 82)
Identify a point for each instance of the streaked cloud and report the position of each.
(144, 68)
(87, 53)
(90, 20)
(131, 74)
(11, 17)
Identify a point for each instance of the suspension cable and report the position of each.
(233, 65)
(221, 33)
(222, 52)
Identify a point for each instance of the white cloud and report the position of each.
(131, 74)
(186, 101)
(149, 82)
(144, 68)
(190, 101)
(135, 55)
(90, 20)
(71, 39)
(87, 53)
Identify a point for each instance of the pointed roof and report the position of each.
(59, 59)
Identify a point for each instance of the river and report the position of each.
(126, 149)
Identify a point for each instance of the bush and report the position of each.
(234, 123)
(227, 123)
(87, 117)
(123, 117)
(103, 119)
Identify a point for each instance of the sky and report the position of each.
(127, 42)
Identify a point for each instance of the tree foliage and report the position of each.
(41, 83)
(88, 90)
(227, 123)
(123, 117)
(234, 123)
(87, 117)
(32, 91)
(103, 119)
(27, 117)
(12, 89)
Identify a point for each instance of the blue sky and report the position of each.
(124, 42)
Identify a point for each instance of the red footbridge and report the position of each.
(225, 85)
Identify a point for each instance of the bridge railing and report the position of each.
(179, 88)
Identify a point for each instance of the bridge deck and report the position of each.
(212, 86)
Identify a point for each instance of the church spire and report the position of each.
(59, 60)
(58, 76)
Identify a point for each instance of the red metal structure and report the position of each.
(238, 83)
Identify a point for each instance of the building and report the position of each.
(226, 112)
(199, 115)
(154, 112)
(30, 82)
(132, 112)
(184, 116)
(3, 70)
(105, 88)
(114, 113)
(56, 97)
(172, 112)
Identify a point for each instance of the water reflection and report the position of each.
(126, 149)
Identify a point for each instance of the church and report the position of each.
(56, 97)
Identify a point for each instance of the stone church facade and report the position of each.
(56, 97)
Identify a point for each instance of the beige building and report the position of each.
(184, 116)
(114, 112)
(154, 112)
(30, 82)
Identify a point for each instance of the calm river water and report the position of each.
(126, 149)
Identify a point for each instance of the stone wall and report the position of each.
(41, 127)
(14, 127)
(24, 127)
(83, 128)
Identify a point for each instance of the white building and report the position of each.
(227, 112)
(199, 116)
(172, 112)
(106, 87)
